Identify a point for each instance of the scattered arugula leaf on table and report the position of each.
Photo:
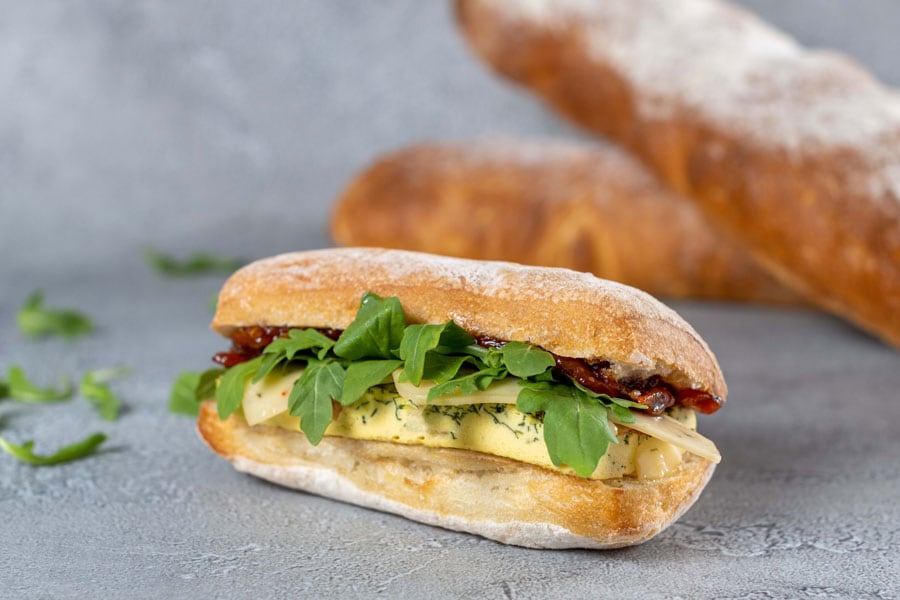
(20, 387)
(198, 263)
(25, 452)
(94, 387)
(36, 320)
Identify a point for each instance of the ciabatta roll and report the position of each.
(525, 356)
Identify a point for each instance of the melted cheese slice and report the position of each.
(488, 422)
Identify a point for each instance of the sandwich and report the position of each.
(535, 406)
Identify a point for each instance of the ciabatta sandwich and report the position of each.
(535, 406)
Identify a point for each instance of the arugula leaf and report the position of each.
(622, 414)
(363, 375)
(577, 433)
(199, 263)
(524, 360)
(285, 349)
(441, 368)
(493, 358)
(311, 397)
(22, 389)
(621, 401)
(454, 338)
(72, 452)
(191, 388)
(94, 386)
(620, 407)
(419, 340)
(466, 384)
(299, 340)
(576, 426)
(4, 390)
(36, 320)
(183, 397)
(269, 361)
(375, 332)
(534, 398)
(206, 388)
(230, 392)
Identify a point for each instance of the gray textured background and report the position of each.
(230, 127)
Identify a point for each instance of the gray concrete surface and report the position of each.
(230, 127)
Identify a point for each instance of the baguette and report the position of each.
(454, 483)
(584, 207)
(794, 152)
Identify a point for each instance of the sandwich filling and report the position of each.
(440, 386)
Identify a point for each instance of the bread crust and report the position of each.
(569, 313)
(585, 207)
(497, 498)
(795, 153)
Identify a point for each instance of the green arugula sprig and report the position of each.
(198, 263)
(576, 424)
(379, 341)
(19, 387)
(36, 320)
(94, 386)
(75, 451)
(191, 388)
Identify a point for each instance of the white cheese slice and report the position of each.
(669, 430)
(268, 397)
(499, 392)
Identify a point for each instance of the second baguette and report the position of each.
(793, 151)
(564, 204)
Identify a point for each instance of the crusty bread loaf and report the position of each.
(571, 314)
(564, 204)
(794, 152)
(497, 498)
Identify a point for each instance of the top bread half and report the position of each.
(565, 312)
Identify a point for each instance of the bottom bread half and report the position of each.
(501, 499)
